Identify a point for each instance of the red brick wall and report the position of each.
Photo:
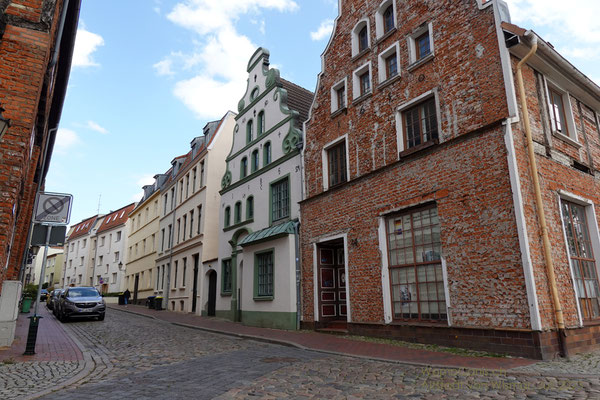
(25, 50)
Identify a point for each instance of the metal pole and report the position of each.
(35, 319)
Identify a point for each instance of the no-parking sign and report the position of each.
(53, 208)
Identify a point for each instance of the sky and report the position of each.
(147, 76)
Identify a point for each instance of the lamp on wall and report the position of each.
(120, 265)
(4, 124)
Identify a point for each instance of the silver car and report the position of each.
(78, 302)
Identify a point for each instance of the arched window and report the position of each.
(227, 218)
(254, 164)
(244, 168)
(388, 19)
(260, 126)
(267, 154)
(254, 94)
(249, 131)
(250, 208)
(237, 214)
(363, 39)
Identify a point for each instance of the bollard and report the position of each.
(34, 321)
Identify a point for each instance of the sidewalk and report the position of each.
(53, 343)
(330, 343)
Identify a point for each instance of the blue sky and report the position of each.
(149, 74)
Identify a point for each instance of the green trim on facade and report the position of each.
(281, 178)
(258, 138)
(239, 225)
(252, 103)
(256, 296)
(251, 65)
(225, 314)
(268, 234)
(270, 319)
(262, 170)
(223, 291)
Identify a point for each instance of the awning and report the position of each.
(269, 233)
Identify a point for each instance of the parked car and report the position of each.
(43, 294)
(52, 299)
(80, 302)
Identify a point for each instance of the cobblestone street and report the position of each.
(130, 356)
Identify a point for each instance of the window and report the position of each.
(384, 18)
(199, 218)
(117, 256)
(175, 274)
(416, 279)
(202, 174)
(102, 240)
(388, 62)
(249, 131)
(250, 208)
(260, 126)
(280, 200)
(226, 282)
(162, 240)
(170, 242)
(336, 164)
(166, 201)
(264, 274)
(421, 44)
(100, 260)
(184, 226)
(582, 259)
(178, 229)
(237, 212)
(362, 81)
(560, 112)
(360, 37)
(254, 165)
(184, 272)
(243, 167)
(143, 246)
(187, 187)
(172, 197)
(227, 219)
(191, 223)
(267, 154)
(153, 241)
(118, 236)
(83, 243)
(194, 180)
(254, 94)
(81, 261)
(114, 277)
(420, 123)
(338, 96)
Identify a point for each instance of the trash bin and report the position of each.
(26, 304)
(150, 301)
(121, 300)
(158, 303)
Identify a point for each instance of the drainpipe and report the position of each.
(538, 200)
(297, 255)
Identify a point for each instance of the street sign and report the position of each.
(57, 236)
(52, 208)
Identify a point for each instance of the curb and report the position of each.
(407, 363)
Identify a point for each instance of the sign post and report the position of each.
(51, 209)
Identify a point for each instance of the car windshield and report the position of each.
(83, 292)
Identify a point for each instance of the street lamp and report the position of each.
(4, 124)
(120, 265)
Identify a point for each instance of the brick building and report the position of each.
(36, 46)
(420, 217)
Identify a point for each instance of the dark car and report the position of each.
(81, 302)
(43, 294)
(53, 298)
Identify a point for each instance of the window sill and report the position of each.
(420, 62)
(409, 322)
(362, 97)
(385, 35)
(360, 54)
(388, 81)
(418, 148)
(566, 139)
(225, 294)
(343, 110)
(263, 298)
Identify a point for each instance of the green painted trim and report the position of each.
(238, 225)
(252, 91)
(256, 296)
(261, 171)
(270, 319)
(265, 53)
(224, 314)
(227, 217)
(259, 138)
(258, 124)
(287, 177)
(252, 103)
(223, 291)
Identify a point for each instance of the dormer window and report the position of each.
(360, 37)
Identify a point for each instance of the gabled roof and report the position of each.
(82, 228)
(298, 99)
(116, 218)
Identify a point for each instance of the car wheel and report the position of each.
(62, 317)
(101, 317)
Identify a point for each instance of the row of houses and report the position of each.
(440, 186)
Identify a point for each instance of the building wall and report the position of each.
(108, 246)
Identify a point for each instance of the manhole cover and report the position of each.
(279, 359)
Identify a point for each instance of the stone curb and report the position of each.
(407, 363)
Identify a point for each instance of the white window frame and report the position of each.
(400, 123)
(570, 120)
(334, 98)
(356, 84)
(357, 28)
(383, 56)
(325, 160)
(590, 215)
(379, 22)
(412, 48)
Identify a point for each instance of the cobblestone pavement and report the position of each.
(140, 358)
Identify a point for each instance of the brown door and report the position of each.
(332, 284)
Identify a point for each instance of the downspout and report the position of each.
(297, 255)
(538, 199)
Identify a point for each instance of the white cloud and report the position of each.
(138, 196)
(86, 43)
(95, 127)
(324, 30)
(221, 55)
(144, 180)
(65, 140)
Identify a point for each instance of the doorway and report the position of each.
(195, 287)
(331, 277)
(135, 288)
(212, 293)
